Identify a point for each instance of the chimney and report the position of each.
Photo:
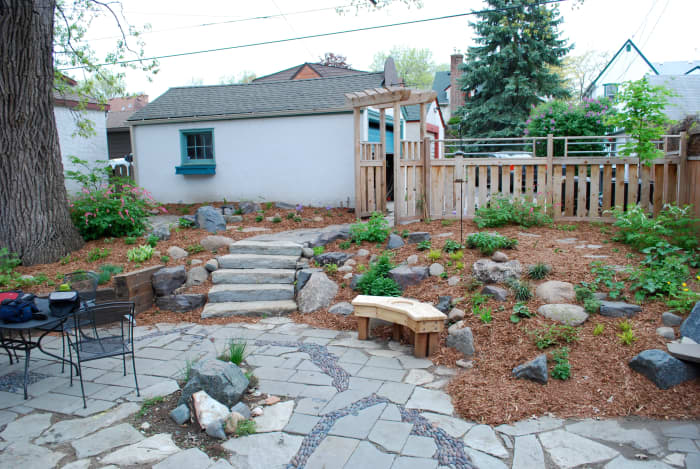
(456, 95)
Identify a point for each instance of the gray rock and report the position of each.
(212, 265)
(143, 453)
(453, 281)
(500, 294)
(337, 258)
(167, 279)
(662, 369)
(488, 271)
(461, 339)
(444, 304)
(214, 243)
(210, 219)
(106, 439)
(284, 206)
(318, 293)
(176, 253)
(418, 237)
(242, 409)
(534, 370)
(223, 381)
(355, 280)
(181, 303)
(248, 207)
(197, 276)
(362, 253)
(303, 276)
(233, 218)
(412, 259)
(162, 232)
(307, 253)
(670, 319)
(600, 296)
(666, 332)
(499, 256)
(456, 315)
(436, 269)
(554, 291)
(406, 275)
(571, 315)
(618, 309)
(691, 326)
(344, 309)
(263, 450)
(394, 242)
(192, 458)
(216, 430)
(180, 414)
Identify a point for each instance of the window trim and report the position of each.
(197, 166)
(605, 88)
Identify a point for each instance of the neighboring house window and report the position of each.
(197, 152)
(610, 90)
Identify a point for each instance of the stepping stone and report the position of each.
(71, 430)
(248, 308)
(145, 452)
(27, 427)
(391, 436)
(611, 430)
(428, 399)
(566, 240)
(22, 454)
(484, 461)
(391, 413)
(248, 292)
(527, 427)
(357, 426)
(405, 462)
(528, 453)
(396, 392)
(419, 446)
(263, 451)
(569, 450)
(301, 423)
(274, 418)
(484, 439)
(269, 248)
(367, 455)
(105, 440)
(453, 426)
(685, 352)
(418, 377)
(333, 451)
(621, 463)
(254, 276)
(81, 464)
(189, 459)
(256, 261)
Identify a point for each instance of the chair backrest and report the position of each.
(85, 283)
(105, 314)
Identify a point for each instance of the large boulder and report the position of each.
(406, 275)
(337, 258)
(318, 293)
(343, 309)
(691, 326)
(181, 303)
(555, 291)
(210, 219)
(177, 253)
(534, 370)
(618, 309)
(571, 315)
(662, 369)
(248, 207)
(461, 339)
(214, 243)
(303, 276)
(394, 242)
(444, 304)
(354, 280)
(208, 410)
(498, 293)
(223, 381)
(488, 271)
(167, 279)
(162, 232)
(197, 276)
(418, 237)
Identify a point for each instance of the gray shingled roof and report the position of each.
(324, 71)
(440, 83)
(412, 113)
(676, 68)
(263, 98)
(687, 90)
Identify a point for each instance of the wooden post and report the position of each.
(433, 343)
(420, 347)
(683, 179)
(427, 186)
(398, 186)
(549, 196)
(358, 186)
(396, 332)
(362, 328)
(382, 139)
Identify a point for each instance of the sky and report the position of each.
(664, 30)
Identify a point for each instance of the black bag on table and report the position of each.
(63, 303)
(17, 307)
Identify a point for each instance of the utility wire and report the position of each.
(313, 36)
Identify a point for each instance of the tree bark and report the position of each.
(34, 217)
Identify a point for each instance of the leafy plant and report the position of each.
(107, 271)
(434, 255)
(361, 268)
(344, 245)
(606, 276)
(538, 271)
(385, 286)
(456, 256)
(485, 315)
(376, 280)
(682, 299)
(446, 222)
(521, 290)
(505, 211)
(627, 337)
(376, 230)
(562, 367)
(290, 215)
(331, 268)
(318, 250)
(599, 328)
(423, 245)
(583, 293)
(66, 260)
(152, 240)
(658, 276)
(566, 227)
(259, 218)
(520, 311)
(553, 335)
(194, 248)
(591, 305)
(276, 219)
(625, 325)
(96, 254)
(488, 243)
(235, 352)
(459, 265)
(443, 275)
(139, 254)
(268, 205)
(673, 225)
(185, 223)
(165, 259)
(452, 246)
(404, 233)
(130, 240)
(297, 218)
(245, 427)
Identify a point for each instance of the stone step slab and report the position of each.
(276, 248)
(250, 292)
(257, 261)
(248, 308)
(250, 276)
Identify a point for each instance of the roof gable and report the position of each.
(681, 67)
(301, 71)
(628, 45)
(440, 84)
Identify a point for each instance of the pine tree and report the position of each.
(510, 69)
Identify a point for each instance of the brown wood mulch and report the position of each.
(602, 384)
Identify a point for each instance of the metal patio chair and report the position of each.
(102, 331)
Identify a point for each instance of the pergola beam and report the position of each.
(377, 96)
(416, 97)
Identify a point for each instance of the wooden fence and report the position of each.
(575, 178)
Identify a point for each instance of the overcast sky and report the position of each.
(665, 30)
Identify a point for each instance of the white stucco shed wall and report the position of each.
(299, 159)
(91, 149)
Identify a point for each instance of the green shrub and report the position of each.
(130, 240)
(152, 240)
(164, 259)
(562, 367)
(107, 271)
(538, 271)
(583, 293)
(505, 211)
(139, 254)
(682, 298)
(96, 254)
(376, 280)
(566, 227)
(521, 290)
(245, 427)
(456, 256)
(290, 215)
(194, 248)
(485, 315)
(384, 286)
(591, 305)
(434, 255)
(185, 223)
(553, 335)
(331, 268)
(376, 230)
(452, 246)
(276, 219)
(259, 218)
(423, 245)
(627, 337)
(488, 243)
(658, 275)
(318, 250)
(344, 245)
(599, 328)
(674, 225)
(520, 311)
(446, 222)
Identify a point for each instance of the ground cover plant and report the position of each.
(488, 243)
(506, 211)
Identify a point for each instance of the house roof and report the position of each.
(687, 94)
(324, 71)
(258, 99)
(681, 67)
(120, 109)
(627, 43)
(412, 113)
(440, 83)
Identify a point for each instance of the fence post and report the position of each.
(549, 196)
(427, 143)
(398, 182)
(358, 185)
(683, 180)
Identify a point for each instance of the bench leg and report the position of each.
(433, 343)
(420, 348)
(396, 332)
(411, 337)
(362, 328)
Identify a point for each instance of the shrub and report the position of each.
(276, 219)
(658, 277)
(521, 290)
(185, 223)
(385, 286)
(423, 245)
(259, 218)
(627, 337)
(504, 211)
(682, 299)
(674, 225)
(290, 215)
(130, 240)
(318, 250)
(591, 305)
(520, 311)
(106, 272)
(485, 315)
(194, 248)
(139, 254)
(297, 218)
(566, 227)
(446, 222)
(152, 240)
(553, 335)
(538, 271)
(344, 245)
(376, 280)
(452, 246)
(562, 367)
(164, 259)
(331, 268)
(583, 293)
(96, 254)
(434, 255)
(488, 243)
(106, 208)
(245, 427)
(456, 256)
(376, 230)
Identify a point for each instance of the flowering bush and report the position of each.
(108, 208)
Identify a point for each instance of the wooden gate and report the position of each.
(372, 179)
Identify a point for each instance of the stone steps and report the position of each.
(257, 261)
(248, 308)
(256, 276)
(225, 293)
(277, 248)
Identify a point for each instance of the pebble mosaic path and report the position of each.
(346, 404)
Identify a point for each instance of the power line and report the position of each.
(313, 36)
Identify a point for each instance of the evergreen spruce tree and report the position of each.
(510, 69)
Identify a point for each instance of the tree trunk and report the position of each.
(34, 218)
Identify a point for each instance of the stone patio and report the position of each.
(349, 404)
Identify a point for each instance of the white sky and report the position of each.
(664, 30)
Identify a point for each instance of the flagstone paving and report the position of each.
(346, 404)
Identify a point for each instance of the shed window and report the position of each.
(197, 152)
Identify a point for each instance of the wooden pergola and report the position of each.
(382, 98)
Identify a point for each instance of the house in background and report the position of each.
(308, 70)
(118, 136)
(91, 148)
(434, 123)
(449, 96)
(686, 98)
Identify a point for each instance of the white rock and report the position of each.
(258, 411)
(453, 281)
(362, 253)
(436, 269)
(263, 450)
(412, 259)
(207, 409)
(275, 417)
(466, 364)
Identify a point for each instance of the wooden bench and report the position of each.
(424, 320)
